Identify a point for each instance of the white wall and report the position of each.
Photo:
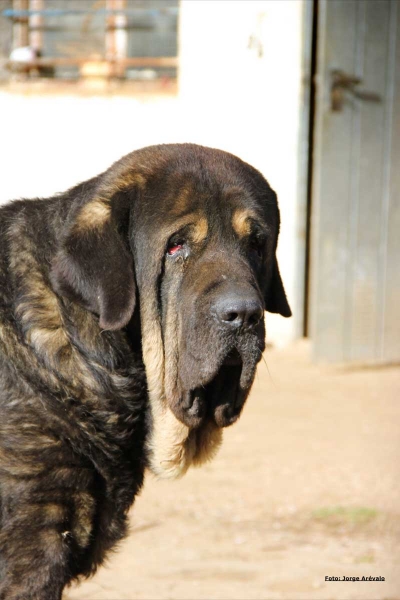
(229, 97)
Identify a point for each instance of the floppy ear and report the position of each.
(94, 266)
(275, 297)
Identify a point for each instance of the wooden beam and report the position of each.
(116, 37)
(21, 25)
(140, 61)
(36, 25)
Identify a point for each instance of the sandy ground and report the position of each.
(306, 485)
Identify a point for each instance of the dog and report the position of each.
(131, 324)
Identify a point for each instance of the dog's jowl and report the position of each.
(131, 324)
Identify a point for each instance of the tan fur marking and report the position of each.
(93, 215)
(172, 446)
(14, 467)
(171, 351)
(55, 513)
(171, 450)
(98, 211)
(113, 420)
(183, 199)
(39, 312)
(241, 221)
(38, 307)
(200, 230)
(46, 339)
(208, 442)
(83, 519)
(118, 179)
(50, 542)
(153, 352)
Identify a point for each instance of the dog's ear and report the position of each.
(275, 297)
(94, 265)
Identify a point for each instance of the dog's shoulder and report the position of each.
(53, 349)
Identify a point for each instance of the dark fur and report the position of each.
(74, 411)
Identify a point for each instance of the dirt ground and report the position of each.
(306, 485)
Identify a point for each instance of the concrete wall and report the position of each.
(239, 90)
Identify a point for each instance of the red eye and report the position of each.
(174, 249)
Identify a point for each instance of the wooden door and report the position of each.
(355, 219)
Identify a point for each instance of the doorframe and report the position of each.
(301, 304)
(313, 64)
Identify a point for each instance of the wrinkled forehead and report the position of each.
(211, 203)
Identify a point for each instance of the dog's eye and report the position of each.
(174, 249)
(174, 246)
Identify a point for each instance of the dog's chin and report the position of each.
(221, 399)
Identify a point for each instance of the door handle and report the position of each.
(342, 83)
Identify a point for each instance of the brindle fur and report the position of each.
(92, 341)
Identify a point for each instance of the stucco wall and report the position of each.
(239, 90)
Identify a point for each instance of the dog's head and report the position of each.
(190, 233)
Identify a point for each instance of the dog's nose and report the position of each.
(235, 310)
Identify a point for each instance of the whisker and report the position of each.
(269, 372)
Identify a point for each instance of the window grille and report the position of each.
(69, 39)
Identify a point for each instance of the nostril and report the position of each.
(254, 319)
(235, 318)
(232, 316)
(238, 310)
